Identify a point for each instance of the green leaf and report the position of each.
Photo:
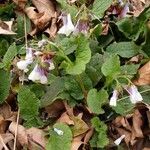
(124, 49)
(60, 142)
(68, 8)
(73, 88)
(28, 103)
(100, 138)
(9, 55)
(95, 100)
(100, 6)
(56, 87)
(4, 85)
(82, 57)
(93, 68)
(111, 66)
(3, 47)
(124, 106)
(130, 69)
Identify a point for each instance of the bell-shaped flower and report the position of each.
(124, 11)
(135, 96)
(82, 26)
(68, 26)
(119, 140)
(23, 64)
(113, 99)
(38, 74)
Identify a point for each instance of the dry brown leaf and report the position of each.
(6, 138)
(5, 27)
(64, 118)
(36, 136)
(46, 12)
(88, 135)
(126, 133)
(55, 109)
(144, 75)
(21, 133)
(137, 124)
(76, 143)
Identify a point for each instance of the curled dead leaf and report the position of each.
(144, 75)
(5, 27)
(21, 133)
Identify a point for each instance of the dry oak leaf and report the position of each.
(5, 27)
(46, 12)
(64, 118)
(144, 75)
(76, 143)
(5, 138)
(21, 133)
(37, 136)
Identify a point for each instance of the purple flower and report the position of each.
(38, 74)
(82, 26)
(68, 26)
(113, 99)
(135, 96)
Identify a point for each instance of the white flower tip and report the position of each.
(58, 131)
(52, 67)
(43, 80)
(22, 65)
(118, 141)
(113, 99)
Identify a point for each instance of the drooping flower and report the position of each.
(68, 26)
(23, 64)
(82, 26)
(135, 96)
(38, 74)
(113, 99)
(58, 131)
(118, 141)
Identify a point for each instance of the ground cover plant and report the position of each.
(74, 74)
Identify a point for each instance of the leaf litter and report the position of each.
(73, 117)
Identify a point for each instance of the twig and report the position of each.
(16, 129)
(2, 141)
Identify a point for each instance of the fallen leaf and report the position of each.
(76, 143)
(79, 127)
(5, 27)
(21, 133)
(88, 135)
(144, 75)
(6, 138)
(37, 136)
(64, 118)
(137, 124)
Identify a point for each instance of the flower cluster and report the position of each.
(82, 25)
(42, 66)
(133, 92)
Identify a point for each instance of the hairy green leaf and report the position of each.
(124, 49)
(95, 100)
(28, 103)
(4, 85)
(60, 142)
(111, 66)
(82, 57)
(100, 6)
(100, 138)
(9, 55)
